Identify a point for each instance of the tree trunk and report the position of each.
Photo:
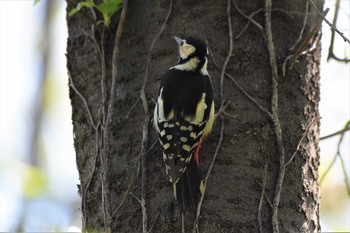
(123, 184)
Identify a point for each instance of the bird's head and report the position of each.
(193, 54)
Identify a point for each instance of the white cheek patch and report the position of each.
(186, 50)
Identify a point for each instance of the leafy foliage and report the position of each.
(107, 8)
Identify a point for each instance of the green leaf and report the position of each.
(108, 8)
(36, 2)
(81, 5)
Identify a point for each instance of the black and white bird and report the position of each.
(183, 115)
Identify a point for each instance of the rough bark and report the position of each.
(234, 188)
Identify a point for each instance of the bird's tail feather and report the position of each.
(189, 189)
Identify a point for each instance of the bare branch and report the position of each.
(248, 22)
(127, 190)
(340, 132)
(329, 23)
(249, 96)
(346, 178)
(154, 222)
(136, 198)
(266, 197)
(132, 108)
(222, 108)
(218, 146)
(303, 27)
(115, 58)
(71, 84)
(330, 50)
(143, 172)
(275, 117)
(239, 86)
(149, 55)
(288, 12)
(262, 198)
(228, 57)
(300, 141)
(302, 47)
(336, 156)
(248, 17)
(145, 127)
(87, 186)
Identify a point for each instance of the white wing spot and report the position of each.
(186, 147)
(183, 139)
(166, 146)
(183, 128)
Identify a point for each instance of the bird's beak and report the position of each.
(178, 40)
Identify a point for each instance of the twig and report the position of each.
(329, 23)
(300, 141)
(302, 47)
(218, 146)
(154, 222)
(239, 86)
(331, 44)
(115, 58)
(99, 134)
(87, 186)
(222, 108)
(71, 84)
(150, 148)
(143, 172)
(249, 96)
(145, 128)
(275, 117)
(127, 190)
(150, 51)
(266, 197)
(103, 79)
(228, 57)
(106, 114)
(229, 115)
(335, 134)
(136, 198)
(132, 108)
(336, 155)
(262, 198)
(230, 54)
(303, 27)
(104, 204)
(248, 22)
(248, 17)
(346, 179)
(291, 12)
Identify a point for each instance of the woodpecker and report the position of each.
(183, 116)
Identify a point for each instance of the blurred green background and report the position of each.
(38, 175)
